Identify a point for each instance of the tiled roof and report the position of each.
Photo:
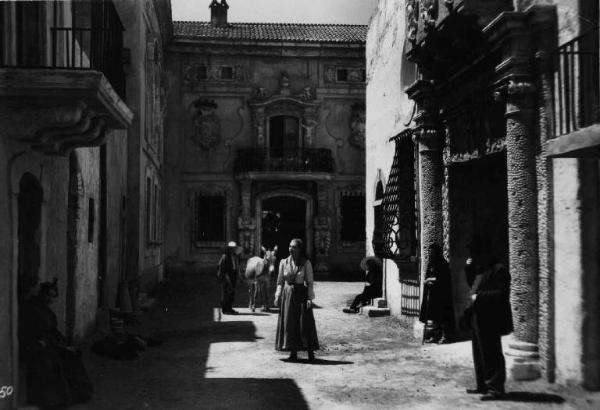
(328, 33)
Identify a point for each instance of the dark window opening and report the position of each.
(202, 72)
(364, 75)
(378, 225)
(210, 218)
(284, 136)
(353, 218)
(91, 220)
(226, 73)
(342, 74)
(29, 34)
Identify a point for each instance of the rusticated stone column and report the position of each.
(429, 137)
(518, 93)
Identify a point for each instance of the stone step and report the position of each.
(380, 303)
(373, 311)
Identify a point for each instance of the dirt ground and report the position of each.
(209, 361)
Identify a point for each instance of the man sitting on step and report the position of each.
(373, 285)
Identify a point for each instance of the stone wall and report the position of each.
(116, 193)
(388, 112)
(86, 270)
(145, 97)
(576, 271)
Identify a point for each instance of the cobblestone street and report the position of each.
(213, 362)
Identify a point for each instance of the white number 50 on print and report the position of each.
(6, 391)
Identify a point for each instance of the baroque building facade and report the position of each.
(499, 138)
(266, 141)
(71, 127)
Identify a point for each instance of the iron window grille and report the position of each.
(396, 238)
(395, 235)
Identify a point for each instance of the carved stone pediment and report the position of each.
(56, 111)
(303, 105)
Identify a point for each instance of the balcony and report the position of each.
(66, 89)
(576, 98)
(294, 161)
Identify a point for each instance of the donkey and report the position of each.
(258, 274)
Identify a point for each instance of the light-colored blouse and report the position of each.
(291, 273)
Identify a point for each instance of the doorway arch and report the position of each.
(268, 201)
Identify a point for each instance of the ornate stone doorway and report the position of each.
(281, 217)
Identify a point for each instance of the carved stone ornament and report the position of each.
(358, 125)
(322, 235)
(246, 229)
(429, 13)
(303, 106)
(513, 88)
(207, 125)
(412, 19)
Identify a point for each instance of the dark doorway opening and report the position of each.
(283, 218)
(30, 217)
(284, 136)
(31, 195)
(478, 206)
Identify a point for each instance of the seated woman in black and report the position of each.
(55, 375)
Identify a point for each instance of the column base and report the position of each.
(523, 360)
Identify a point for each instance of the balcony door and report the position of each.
(284, 136)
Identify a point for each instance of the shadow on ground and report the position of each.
(321, 362)
(255, 394)
(174, 374)
(531, 397)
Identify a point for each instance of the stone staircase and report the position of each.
(378, 309)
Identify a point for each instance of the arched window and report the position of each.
(284, 135)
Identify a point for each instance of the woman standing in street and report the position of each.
(296, 328)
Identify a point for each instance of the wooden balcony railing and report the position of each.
(294, 160)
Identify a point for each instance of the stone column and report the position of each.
(518, 93)
(428, 136)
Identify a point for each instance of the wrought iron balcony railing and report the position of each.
(98, 45)
(576, 93)
(294, 160)
(90, 48)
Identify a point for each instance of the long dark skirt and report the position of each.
(296, 328)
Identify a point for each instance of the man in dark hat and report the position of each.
(227, 273)
(489, 317)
